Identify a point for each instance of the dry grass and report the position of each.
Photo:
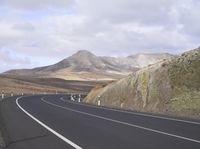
(30, 85)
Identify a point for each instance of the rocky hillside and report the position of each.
(84, 65)
(170, 87)
(145, 59)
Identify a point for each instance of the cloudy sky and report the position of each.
(41, 32)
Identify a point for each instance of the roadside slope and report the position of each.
(170, 87)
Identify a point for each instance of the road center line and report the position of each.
(134, 113)
(47, 127)
(124, 123)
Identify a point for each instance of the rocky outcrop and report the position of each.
(171, 87)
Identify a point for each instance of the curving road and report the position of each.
(55, 122)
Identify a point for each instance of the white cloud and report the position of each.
(9, 60)
(49, 29)
(37, 4)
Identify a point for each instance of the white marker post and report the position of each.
(79, 98)
(72, 99)
(2, 94)
(122, 105)
(99, 102)
(12, 95)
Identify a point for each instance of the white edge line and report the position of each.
(124, 123)
(134, 113)
(47, 127)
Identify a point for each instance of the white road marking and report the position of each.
(124, 123)
(47, 127)
(134, 113)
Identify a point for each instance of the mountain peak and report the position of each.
(83, 53)
(85, 61)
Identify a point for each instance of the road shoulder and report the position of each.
(2, 128)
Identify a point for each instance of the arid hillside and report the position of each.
(168, 87)
(30, 85)
(86, 66)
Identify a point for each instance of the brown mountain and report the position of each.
(84, 65)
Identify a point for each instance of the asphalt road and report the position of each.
(55, 122)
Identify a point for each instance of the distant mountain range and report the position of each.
(84, 65)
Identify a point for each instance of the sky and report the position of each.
(41, 32)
